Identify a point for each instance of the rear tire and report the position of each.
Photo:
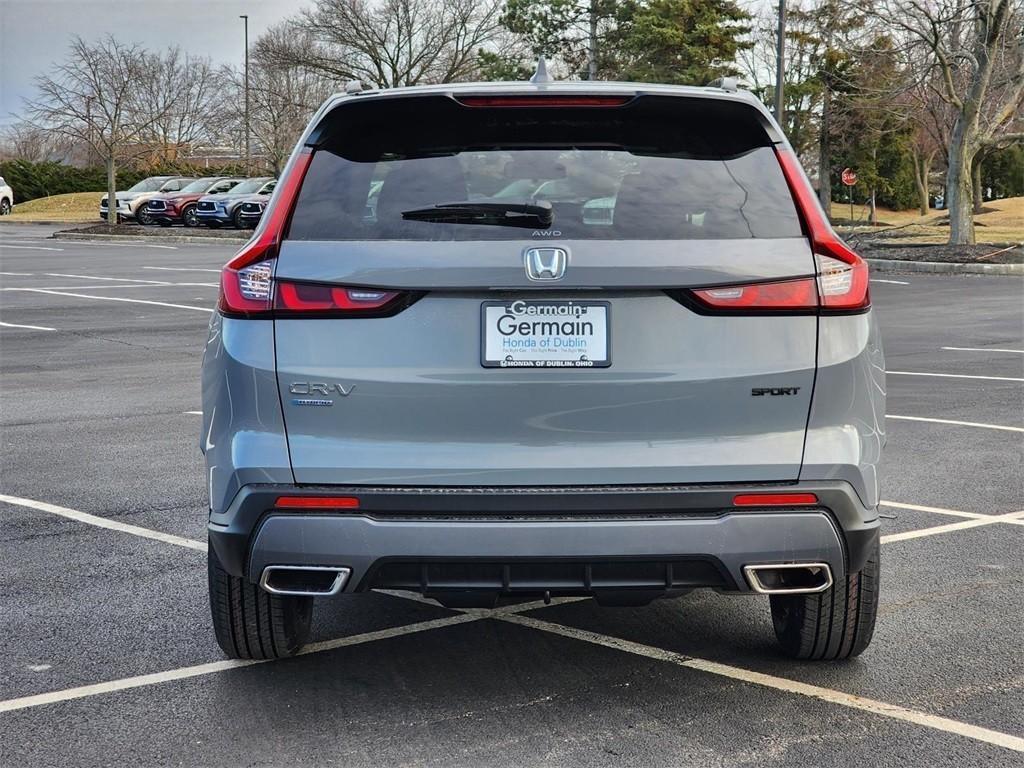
(831, 625)
(253, 624)
(5, 206)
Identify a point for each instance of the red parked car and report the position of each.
(180, 207)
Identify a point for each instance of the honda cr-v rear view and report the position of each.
(510, 341)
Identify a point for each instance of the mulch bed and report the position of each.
(134, 230)
(960, 254)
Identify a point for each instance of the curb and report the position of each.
(149, 240)
(944, 268)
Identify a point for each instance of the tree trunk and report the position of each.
(959, 187)
(592, 43)
(922, 169)
(824, 161)
(873, 210)
(976, 184)
(112, 216)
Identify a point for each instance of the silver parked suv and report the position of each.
(503, 340)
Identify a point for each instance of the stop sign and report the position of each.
(849, 177)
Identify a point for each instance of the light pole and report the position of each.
(780, 64)
(245, 18)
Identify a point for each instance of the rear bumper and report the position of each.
(515, 526)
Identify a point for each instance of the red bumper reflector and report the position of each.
(317, 502)
(773, 499)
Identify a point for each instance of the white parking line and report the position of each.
(17, 274)
(951, 375)
(892, 282)
(829, 695)
(956, 423)
(975, 523)
(937, 510)
(108, 279)
(29, 247)
(185, 269)
(984, 349)
(512, 615)
(115, 298)
(30, 327)
(193, 413)
(103, 522)
(110, 287)
(184, 673)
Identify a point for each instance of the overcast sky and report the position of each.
(34, 33)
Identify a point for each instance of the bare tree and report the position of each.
(390, 43)
(99, 94)
(182, 93)
(24, 141)
(975, 48)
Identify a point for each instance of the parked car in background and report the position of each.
(250, 211)
(180, 207)
(131, 204)
(6, 197)
(216, 210)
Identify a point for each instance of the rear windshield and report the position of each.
(656, 169)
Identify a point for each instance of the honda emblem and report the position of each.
(546, 263)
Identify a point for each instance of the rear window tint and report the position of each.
(658, 169)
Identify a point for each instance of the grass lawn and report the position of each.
(1001, 222)
(77, 206)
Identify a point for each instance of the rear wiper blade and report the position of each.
(537, 215)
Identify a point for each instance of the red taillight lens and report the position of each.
(316, 502)
(789, 294)
(246, 282)
(544, 101)
(307, 297)
(842, 274)
(774, 499)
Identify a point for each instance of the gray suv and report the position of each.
(648, 368)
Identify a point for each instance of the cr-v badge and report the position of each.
(318, 388)
(545, 263)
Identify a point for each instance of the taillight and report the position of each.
(842, 274)
(788, 294)
(246, 282)
(248, 287)
(841, 282)
(308, 297)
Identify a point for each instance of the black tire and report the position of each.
(142, 215)
(5, 207)
(236, 218)
(189, 218)
(253, 624)
(831, 625)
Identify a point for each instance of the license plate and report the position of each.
(545, 334)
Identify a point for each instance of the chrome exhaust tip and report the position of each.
(789, 578)
(304, 580)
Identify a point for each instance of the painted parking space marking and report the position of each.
(890, 282)
(951, 422)
(873, 706)
(17, 274)
(512, 614)
(185, 269)
(962, 525)
(193, 413)
(952, 375)
(937, 510)
(29, 247)
(183, 673)
(29, 327)
(110, 287)
(103, 522)
(114, 298)
(984, 349)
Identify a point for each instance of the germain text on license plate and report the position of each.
(521, 333)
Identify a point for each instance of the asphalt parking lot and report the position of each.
(109, 658)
